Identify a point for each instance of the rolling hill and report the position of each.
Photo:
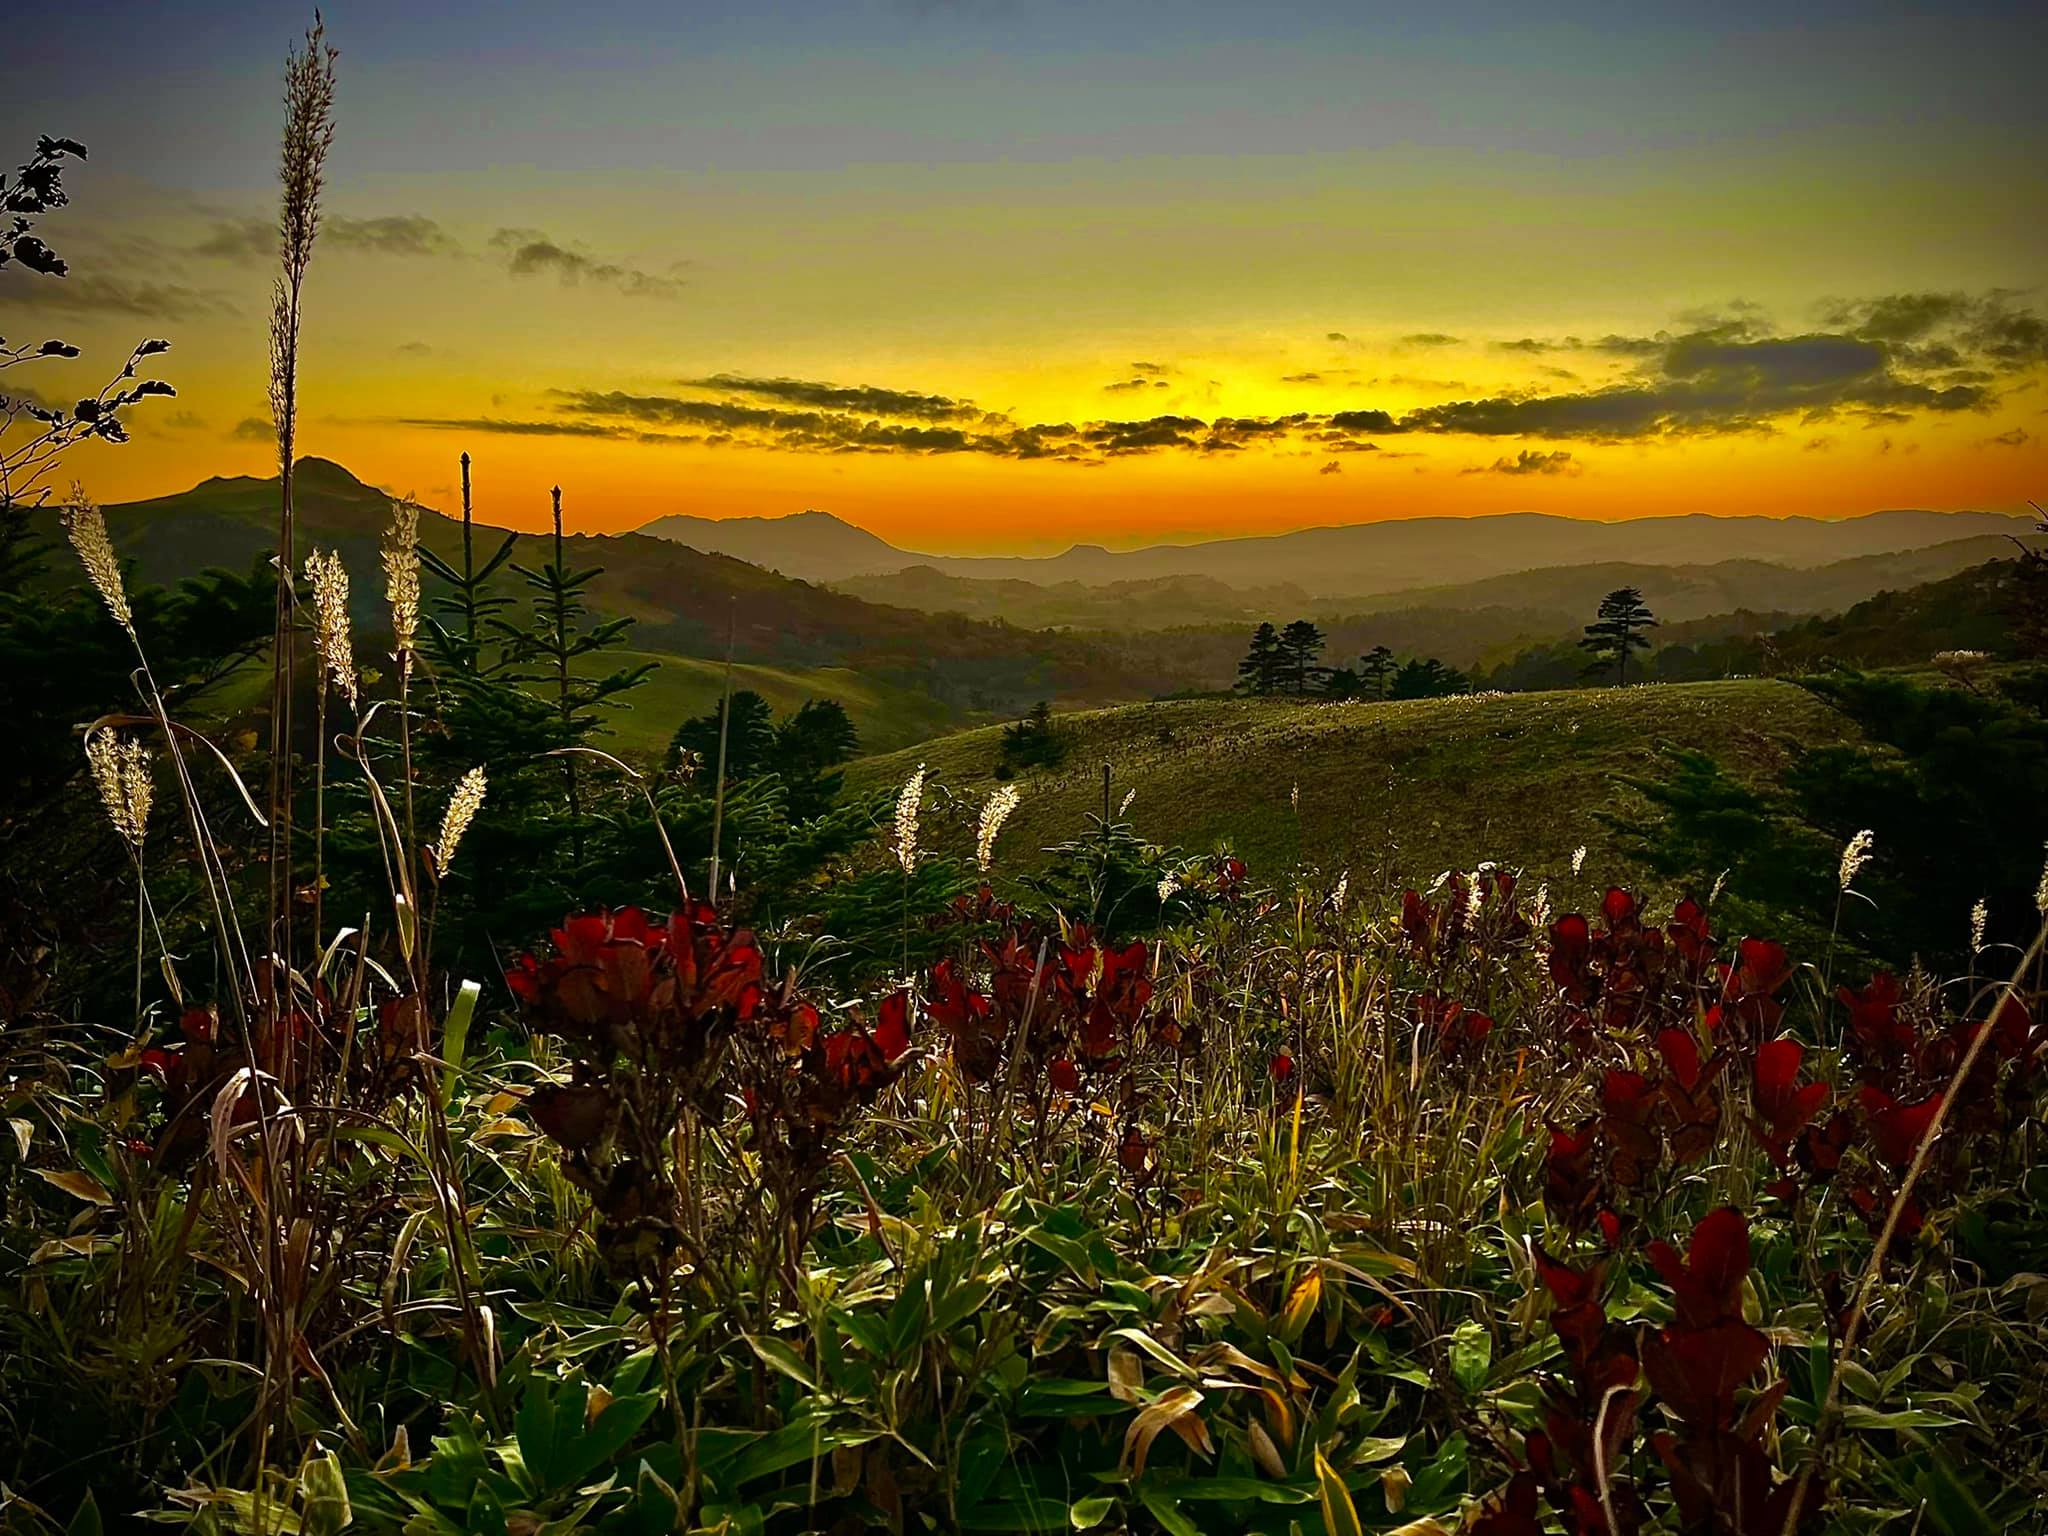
(1363, 559)
(1395, 792)
(917, 671)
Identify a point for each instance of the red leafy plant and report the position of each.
(648, 1011)
(1698, 1365)
(1580, 1456)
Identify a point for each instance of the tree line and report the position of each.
(1287, 661)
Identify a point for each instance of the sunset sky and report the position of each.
(988, 276)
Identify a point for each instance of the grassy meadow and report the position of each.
(1395, 791)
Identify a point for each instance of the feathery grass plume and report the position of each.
(2041, 891)
(462, 809)
(1167, 886)
(1539, 909)
(1294, 798)
(1980, 917)
(909, 800)
(329, 579)
(1125, 804)
(308, 136)
(1856, 854)
(1343, 889)
(1001, 801)
(120, 772)
(1720, 884)
(1578, 858)
(86, 528)
(401, 557)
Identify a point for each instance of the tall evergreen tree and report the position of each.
(1261, 670)
(749, 743)
(1377, 668)
(455, 630)
(548, 650)
(1618, 630)
(1300, 644)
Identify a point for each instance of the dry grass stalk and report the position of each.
(462, 809)
(1855, 855)
(908, 802)
(121, 773)
(1001, 802)
(86, 528)
(402, 578)
(329, 580)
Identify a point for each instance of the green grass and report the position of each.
(1399, 791)
(886, 715)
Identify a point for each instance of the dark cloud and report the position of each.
(402, 234)
(254, 429)
(1152, 370)
(1532, 344)
(1721, 379)
(1301, 378)
(414, 348)
(529, 252)
(92, 294)
(1128, 386)
(1942, 329)
(1429, 339)
(2018, 437)
(240, 240)
(1331, 467)
(512, 428)
(843, 397)
(1529, 462)
(1335, 336)
(1731, 374)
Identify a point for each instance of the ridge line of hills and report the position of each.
(1350, 560)
(919, 651)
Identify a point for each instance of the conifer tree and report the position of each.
(547, 650)
(1260, 671)
(1617, 631)
(1300, 644)
(1377, 670)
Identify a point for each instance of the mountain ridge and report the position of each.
(1343, 561)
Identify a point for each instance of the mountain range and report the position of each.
(1357, 560)
(933, 667)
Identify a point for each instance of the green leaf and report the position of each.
(86, 1520)
(1068, 1251)
(1340, 1515)
(324, 1493)
(1086, 1514)
(1860, 1416)
(455, 1038)
(1170, 1515)
(1471, 1354)
(609, 1433)
(782, 1357)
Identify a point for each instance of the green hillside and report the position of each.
(922, 670)
(886, 716)
(1395, 791)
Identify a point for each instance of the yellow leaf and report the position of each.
(1175, 1404)
(1394, 1485)
(1126, 1376)
(1265, 1452)
(71, 1248)
(1340, 1515)
(1301, 1305)
(78, 1183)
